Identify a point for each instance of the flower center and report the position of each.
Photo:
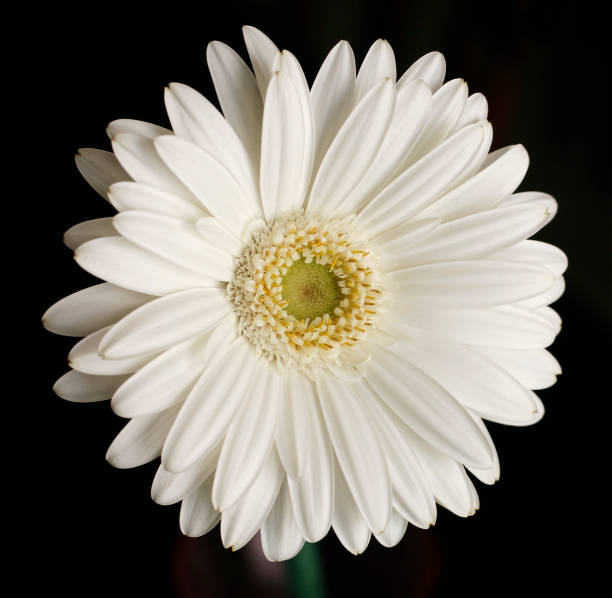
(310, 290)
(306, 293)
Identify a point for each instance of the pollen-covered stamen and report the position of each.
(305, 291)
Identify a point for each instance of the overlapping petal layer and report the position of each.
(456, 296)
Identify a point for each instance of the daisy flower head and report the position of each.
(313, 299)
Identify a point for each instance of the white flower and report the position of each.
(313, 301)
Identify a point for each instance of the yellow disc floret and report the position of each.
(306, 293)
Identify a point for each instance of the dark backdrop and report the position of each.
(87, 529)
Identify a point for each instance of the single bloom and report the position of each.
(312, 300)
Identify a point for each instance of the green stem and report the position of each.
(306, 573)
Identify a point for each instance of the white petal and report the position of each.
(446, 109)
(501, 173)
(505, 326)
(351, 371)
(220, 338)
(394, 532)
(546, 297)
(539, 415)
(427, 408)
(100, 169)
(533, 368)
(176, 240)
(169, 488)
(472, 379)
(238, 95)
(411, 496)
(476, 109)
(84, 357)
(92, 308)
(295, 423)
(262, 52)
(198, 516)
(122, 263)
(447, 479)
(353, 148)
(287, 63)
(280, 536)
(347, 521)
(86, 231)
(477, 283)
(480, 155)
(248, 439)
(533, 197)
(430, 68)
(138, 156)
(396, 240)
(489, 475)
(332, 96)
(357, 449)
(312, 495)
(378, 64)
(475, 236)
(287, 144)
(194, 118)
(535, 252)
(141, 440)
(242, 521)
(210, 407)
(411, 110)
(425, 180)
(163, 382)
(136, 196)
(85, 388)
(216, 234)
(214, 186)
(474, 497)
(165, 322)
(139, 127)
(551, 316)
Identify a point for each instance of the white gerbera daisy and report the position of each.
(313, 300)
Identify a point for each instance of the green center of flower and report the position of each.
(310, 290)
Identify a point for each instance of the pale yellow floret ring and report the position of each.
(305, 291)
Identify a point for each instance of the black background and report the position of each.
(86, 529)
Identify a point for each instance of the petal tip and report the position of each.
(55, 389)
(119, 409)
(249, 30)
(112, 458)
